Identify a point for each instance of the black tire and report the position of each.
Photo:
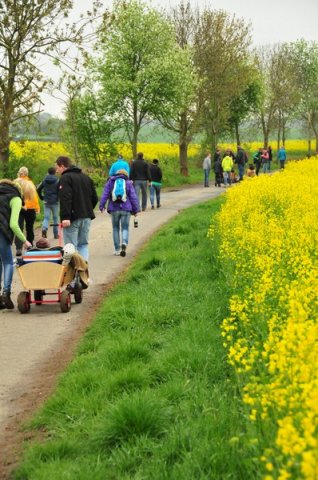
(65, 301)
(24, 303)
(38, 296)
(78, 293)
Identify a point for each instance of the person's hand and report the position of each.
(27, 245)
(66, 223)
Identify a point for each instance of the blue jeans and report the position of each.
(141, 185)
(120, 221)
(154, 189)
(227, 178)
(77, 234)
(6, 263)
(48, 209)
(206, 177)
(240, 171)
(265, 167)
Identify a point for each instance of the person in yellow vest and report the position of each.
(29, 210)
(227, 165)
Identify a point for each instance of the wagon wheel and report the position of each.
(24, 303)
(65, 301)
(78, 293)
(38, 296)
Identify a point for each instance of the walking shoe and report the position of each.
(56, 236)
(117, 253)
(6, 300)
(2, 305)
(152, 207)
(18, 253)
(123, 250)
(44, 233)
(158, 206)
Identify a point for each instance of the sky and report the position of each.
(272, 21)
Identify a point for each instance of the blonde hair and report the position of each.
(27, 187)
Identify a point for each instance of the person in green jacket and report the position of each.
(227, 165)
(10, 206)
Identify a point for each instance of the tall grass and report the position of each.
(149, 394)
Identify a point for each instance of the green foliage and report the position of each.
(90, 129)
(149, 394)
(139, 67)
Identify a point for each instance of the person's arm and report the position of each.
(94, 195)
(15, 205)
(39, 190)
(66, 199)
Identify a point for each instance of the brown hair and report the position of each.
(64, 161)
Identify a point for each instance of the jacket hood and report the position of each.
(51, 179)
(6, 188)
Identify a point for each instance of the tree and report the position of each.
(138, 69)
(221, 51)
(305, 66)
(28, 29)
(182, 123)
(242, 105)
(88, 130)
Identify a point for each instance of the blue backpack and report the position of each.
(119, 190)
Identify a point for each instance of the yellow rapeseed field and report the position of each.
(268, 232)
(49, 151)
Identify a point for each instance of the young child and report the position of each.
(250, 172)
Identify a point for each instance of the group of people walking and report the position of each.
(223, 164)
(70, 200)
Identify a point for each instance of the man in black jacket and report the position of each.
(78, 198)
(139, 174)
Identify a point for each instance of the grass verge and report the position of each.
(149, 394)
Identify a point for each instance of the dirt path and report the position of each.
(36, 347)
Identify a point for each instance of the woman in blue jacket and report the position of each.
(120, 209)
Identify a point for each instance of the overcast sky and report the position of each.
(272, 21)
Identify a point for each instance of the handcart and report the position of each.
(42, 275)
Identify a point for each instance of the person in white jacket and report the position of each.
(207, 168)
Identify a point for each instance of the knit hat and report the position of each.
(42, 243)
(23, 172)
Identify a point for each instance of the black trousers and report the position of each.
(27, 218)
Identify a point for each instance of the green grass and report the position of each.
(149, 394)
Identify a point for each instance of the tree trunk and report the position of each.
(4, 149)
(183, 155)
(183, 145)
(237, 134)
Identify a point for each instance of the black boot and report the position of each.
(44, 233)
(6, 300)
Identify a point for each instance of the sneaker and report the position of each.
(6, 300)
(44, 233)
(18, 253)
(56, 236)
(117, 253)
(123, 250)
(152, 207)
(158, 206)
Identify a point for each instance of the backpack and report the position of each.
(119, 190)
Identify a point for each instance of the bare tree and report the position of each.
(29, 29)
